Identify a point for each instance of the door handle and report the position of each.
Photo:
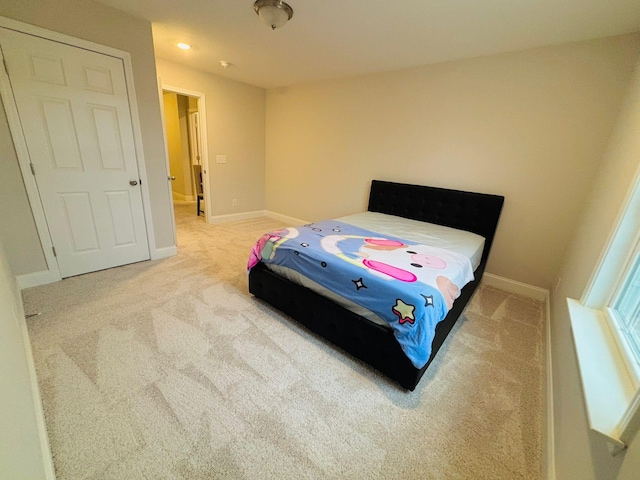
(172, 178)
(133, 183)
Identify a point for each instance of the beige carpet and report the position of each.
(172, 370)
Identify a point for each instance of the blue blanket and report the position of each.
(410, 286)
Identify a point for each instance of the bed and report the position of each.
(369, 341)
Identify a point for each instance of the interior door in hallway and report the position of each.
(75, 114)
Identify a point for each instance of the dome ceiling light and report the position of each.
(274, 13)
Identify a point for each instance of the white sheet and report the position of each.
(466, 243)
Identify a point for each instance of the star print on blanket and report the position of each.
(411, 286)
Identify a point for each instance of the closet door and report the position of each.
(75, 115)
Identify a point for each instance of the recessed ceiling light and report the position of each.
(224, 64)
(184, 46)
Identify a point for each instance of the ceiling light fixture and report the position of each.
(184, 46)
(224, 64)
(274, 13)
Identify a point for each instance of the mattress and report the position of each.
(465, 243)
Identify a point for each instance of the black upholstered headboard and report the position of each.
(474, 212)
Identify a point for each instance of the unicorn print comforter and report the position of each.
(409, 285)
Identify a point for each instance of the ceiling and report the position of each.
(339, 38)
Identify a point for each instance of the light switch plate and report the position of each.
(221, 159)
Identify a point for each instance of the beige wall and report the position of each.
(18, 232)
(95, 22)
(235, 128)
(530, 125)
(22, 455)
(183, 121)
(579, 452)
(172, 123)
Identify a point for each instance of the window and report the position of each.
(625, 308)
(606, 330)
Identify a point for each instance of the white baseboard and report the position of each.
(233, 217)
(43, 277)
(516, 287)
(45, 447)
(550, 447)
(35, 279)
(285, 218)
(166, 252)
(182, 198)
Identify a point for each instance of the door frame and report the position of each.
(52, 274)
(202, 109)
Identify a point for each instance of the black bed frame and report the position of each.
(372, 343)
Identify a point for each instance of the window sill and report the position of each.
(607, 387)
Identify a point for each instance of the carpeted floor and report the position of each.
(171, 370)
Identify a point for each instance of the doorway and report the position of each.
(184, 125)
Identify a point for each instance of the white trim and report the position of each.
(179, 197)
(20, 142)
(24, 160)
(233, 217)
(285, 218)
(35, 279)
(47, 458)
(602, 369)
(516, 287)
(550, 448)
(623, 344)
(182, 91)
(166, 252)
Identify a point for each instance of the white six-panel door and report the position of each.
(75, 116)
